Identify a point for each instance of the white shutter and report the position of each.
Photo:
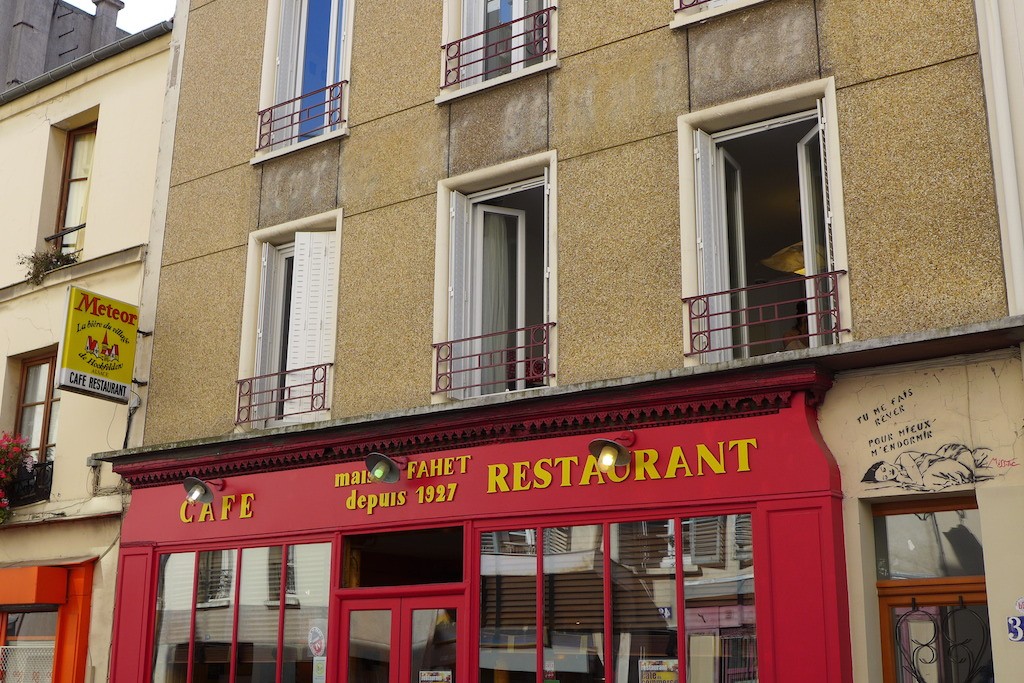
(286, 84)
(712, 242)
(313, 308)
(825, 193)
(267, 327)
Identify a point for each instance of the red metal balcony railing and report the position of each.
(499, 361)
(282, 394)
(302, 117)
(499, 50)
(764, 318)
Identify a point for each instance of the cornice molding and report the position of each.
(655, 404)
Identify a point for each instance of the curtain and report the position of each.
(494, 302)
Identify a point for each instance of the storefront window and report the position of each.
(644, 601)
(26, 645)
(508, 606)
(573, 604)
(173, 617)
(369, 646)
(718, 587)
(198, 593)
(403, 558)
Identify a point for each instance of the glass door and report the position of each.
(401, 640)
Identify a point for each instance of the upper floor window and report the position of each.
(489, 39)
(295, 329)
(309, 73)
(767, 279)
(76, 179)
(499, 322)
(692, 11)
(38, 404)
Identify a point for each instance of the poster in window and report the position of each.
(659, 670)
(435, 677)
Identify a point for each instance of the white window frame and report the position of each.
(454, 27)
(481, 185)
(260, 243)
(274, 89)
(734, 115)
(714, 8)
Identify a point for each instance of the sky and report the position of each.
(137, 14)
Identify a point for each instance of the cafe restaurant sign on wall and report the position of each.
(97, 352)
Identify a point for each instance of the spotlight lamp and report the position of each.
(383, 469)
(199, 491)
(612, 452)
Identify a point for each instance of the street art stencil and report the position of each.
(951, 465)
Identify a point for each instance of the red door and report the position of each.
(402, 640)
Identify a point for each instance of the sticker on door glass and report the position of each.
(319, 669)
(435, 677)
(317, 641)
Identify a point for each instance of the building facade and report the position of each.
(762, 255)
(81, 149)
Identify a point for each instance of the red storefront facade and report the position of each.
(503, 554)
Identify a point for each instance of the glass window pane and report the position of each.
(215, 600)
(173, 617)
(369, 646)
(403, 558)
(35, 383)
(78, 202)
(942, 643)
(51, 437)
(433, 646)
(574, 604)
(31, 628)
(32, 425)
(508, 606)
(718, 584)
(259, 610)
(929, 545)
(644, 601)
(81, 155)
(307, 592)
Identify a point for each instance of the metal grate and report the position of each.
(26, 663)
(498, 50)
(764, 318)
(951, 641)
(32, 486)
(499, 361)
(689, 4)
(283, 394)
(303, 117)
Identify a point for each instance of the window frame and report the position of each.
(48, 405)
(480, 186)
(750, 112)
(61, 231)
(253, 304)
(707, 10)
(270, 81)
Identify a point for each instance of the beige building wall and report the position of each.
(904, 415)
(124, 95)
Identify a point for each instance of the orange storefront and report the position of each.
(503, 553)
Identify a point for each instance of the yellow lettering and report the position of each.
(341, 479)
(590, 470)
(206, 514)
(185, 518)
(645, 460)
(435, 467)
(541, 475)
(677, 461)
(519, 470)
(449, 464)
(350, 502)
(742, 453)
(496, 478)
(564, 462)
(613, 473)
(246, 511)
(463, 459)
(704, 455)
(225, 506)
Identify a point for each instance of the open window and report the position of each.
(76, 181)
(309, 72)
(490, 39)
(498, 280)
(766, 265)
(295, 330)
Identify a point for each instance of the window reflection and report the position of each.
(369, 646)
(307, 588)
(721, 643)
(215, 600)
(433, 645)
(573, 604)
(643, 601)
(258, 613)
(508, 606)
(929, 545)
(173, 617)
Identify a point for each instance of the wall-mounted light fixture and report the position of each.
(384, 469)
(612, 452)
(199, 491)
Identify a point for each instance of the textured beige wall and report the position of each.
(618, 262)
(386, 309)
(920, 212)
(921, 221)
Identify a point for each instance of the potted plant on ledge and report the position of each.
(13, 459)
